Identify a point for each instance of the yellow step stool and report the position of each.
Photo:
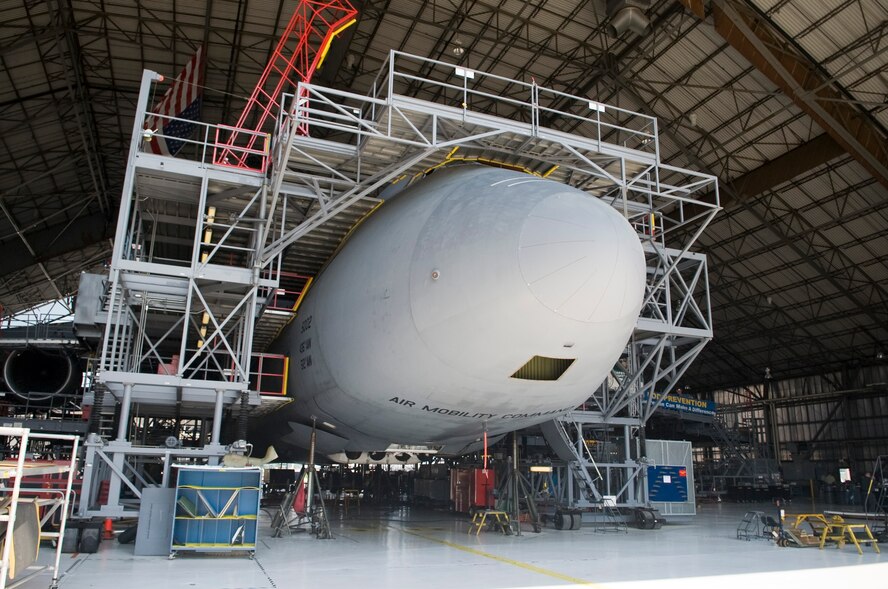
(499, 519)
(839, 531)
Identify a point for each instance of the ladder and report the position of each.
(577, 462)
(751, 526)
(613, 521)
(876, 498)
(299, 53)
(585, 480)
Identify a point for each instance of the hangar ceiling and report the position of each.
(786, 101)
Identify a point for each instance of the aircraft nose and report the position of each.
(581, 259)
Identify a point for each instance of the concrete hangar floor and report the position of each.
(406, 547)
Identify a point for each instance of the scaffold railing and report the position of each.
(212, 143)
(526, 101)
(420, 110)
(16, 471)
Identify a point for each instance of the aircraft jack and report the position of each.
(305, 504)
(514, 489)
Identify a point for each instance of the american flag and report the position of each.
(181, 101)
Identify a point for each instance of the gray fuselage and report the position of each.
(415, 330)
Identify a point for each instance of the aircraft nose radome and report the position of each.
(581, 259)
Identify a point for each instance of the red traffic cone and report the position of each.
(108, 529)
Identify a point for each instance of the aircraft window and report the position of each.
(543, 368)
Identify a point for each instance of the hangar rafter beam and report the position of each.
(775, 56)
(784, 168)
(77, 88)
(58, 239)
(839, 275)
(30, 249)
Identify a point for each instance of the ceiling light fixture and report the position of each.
(458, 48)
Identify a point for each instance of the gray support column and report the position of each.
(516, 484)
(627, 448)
(570, 486)
(217, 418)
(310, 469)
(89, 466)
(125, 405)
(165, 476)
(775, 432)
(640, 486)
(118, 456)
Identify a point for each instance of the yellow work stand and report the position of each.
(838, 531)
(809, 518)
(499, 519)
(810, 536)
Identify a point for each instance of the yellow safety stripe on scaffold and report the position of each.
(329, 42)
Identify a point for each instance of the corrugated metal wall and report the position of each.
(821, 422)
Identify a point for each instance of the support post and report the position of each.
(217, 417)
(86, 488)
(516, 488)
(310, 473)
(125, 405)
(116, 476)
(13, 505)
(216, 432)
(627, 447)
(165, 475)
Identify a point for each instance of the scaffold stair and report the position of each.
(612, 520)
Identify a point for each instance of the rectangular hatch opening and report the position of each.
(543, 368)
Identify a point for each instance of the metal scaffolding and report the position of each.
(199, 245)
(359, 144)
(186, 285)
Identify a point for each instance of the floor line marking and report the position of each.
(504, 560)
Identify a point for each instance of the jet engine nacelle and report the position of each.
(37, 375)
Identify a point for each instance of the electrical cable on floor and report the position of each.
(264, 572)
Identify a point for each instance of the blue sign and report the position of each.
(687, 405)
(668, 484)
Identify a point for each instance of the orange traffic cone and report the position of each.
(108, 529)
